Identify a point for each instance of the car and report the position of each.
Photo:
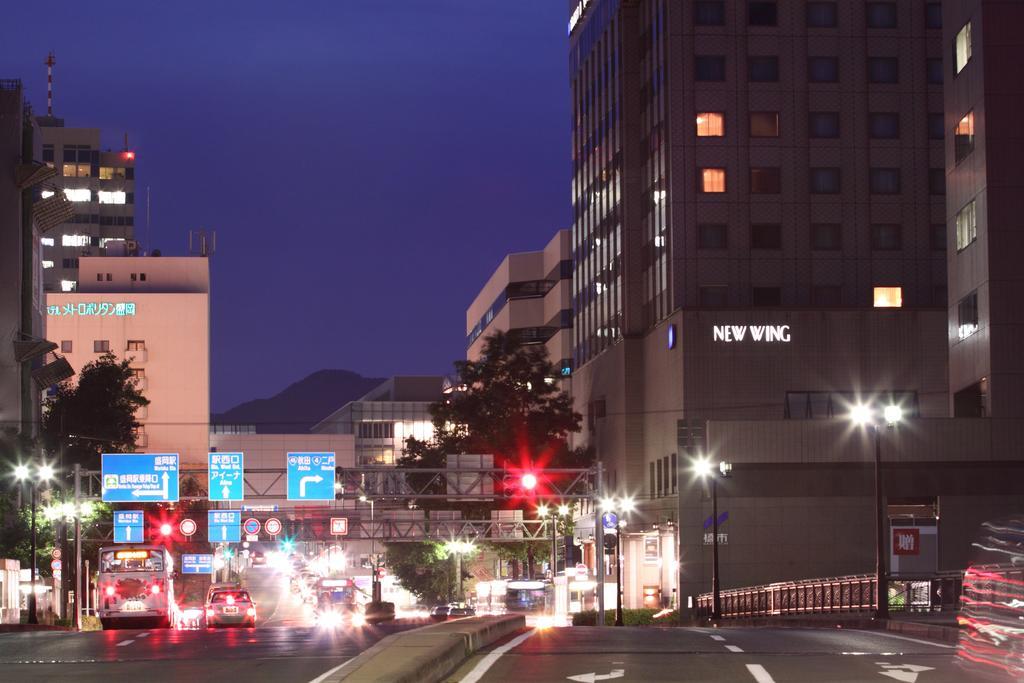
(258, 558)
(463, 611)
(439, 612)
(232, 607)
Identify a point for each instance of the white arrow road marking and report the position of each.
(759, 674)
(905, 673)
(305, 480)
(592, 677)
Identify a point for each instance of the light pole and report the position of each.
(865, 417)
(612, 508)
(375, 583)
(705, 469)
(458, 549)
(43, 474)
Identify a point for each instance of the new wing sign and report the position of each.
(140, 477)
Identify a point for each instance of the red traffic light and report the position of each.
(529, 481)
(380, 572)
(166, 529)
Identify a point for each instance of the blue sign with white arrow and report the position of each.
(226, 476)
(140, 477)
(197, 564)
(224, 526)
(311, 476)
(129, 526)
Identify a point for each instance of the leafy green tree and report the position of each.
(424, 569)
(94, 415)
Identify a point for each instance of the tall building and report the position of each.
(21, 304)
(154, 311)
(983, 98)
(101, 185)
(528, 295)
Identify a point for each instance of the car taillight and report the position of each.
(251, 611)
(230, 600)
(155, 588)
(209, 612)
(110, 591)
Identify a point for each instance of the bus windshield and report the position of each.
(118, 561)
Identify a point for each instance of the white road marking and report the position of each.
(143, 635)
(912, 640)
(733, 648)
(487, 662)
(322, 677)
(759, 674)
(125, 642)
(719, 638)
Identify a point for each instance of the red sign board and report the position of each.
(339, 526)
(187, 527)
(906, 541)
(273, 526)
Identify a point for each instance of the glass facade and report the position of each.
(655, 198)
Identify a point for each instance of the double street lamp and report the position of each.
(617, 506)
(865, 417)
(458, 549)
(706, 470)
(36, 475)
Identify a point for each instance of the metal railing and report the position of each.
(840, 594)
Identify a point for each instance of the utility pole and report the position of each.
(78, 547)
(599, 544)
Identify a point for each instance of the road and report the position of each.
(285, 647)
(746, 655)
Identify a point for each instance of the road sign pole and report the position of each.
(598, 544)
(78, 547)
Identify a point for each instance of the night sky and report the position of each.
(366, 164)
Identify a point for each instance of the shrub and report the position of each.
(630, 617)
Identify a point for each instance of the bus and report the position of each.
(136, 586)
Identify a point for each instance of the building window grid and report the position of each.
(966, 226)
(963, 136)
(656, 295)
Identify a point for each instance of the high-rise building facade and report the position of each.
(101, 186)
(985, 199)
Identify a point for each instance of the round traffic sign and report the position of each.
(610, 520)
(251, 526)
(55, 565)
(55, 554)
(187, 526)
(273, 526)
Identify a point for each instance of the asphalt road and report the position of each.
(285, 647)
(746, 655)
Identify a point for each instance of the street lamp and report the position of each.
(611, 506)
(44, 473)
(458, 549)
(375, 582)
(705, 469)
(864, 416)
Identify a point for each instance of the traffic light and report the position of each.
(517, 485)
(166, 530)
(610, 541)
(381, 573)
(528, 481)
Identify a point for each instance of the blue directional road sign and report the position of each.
(610, 520)
(140, 477)
(311, 476)
(129, 526)
(197, 564)
(224, 526)
(226, 476)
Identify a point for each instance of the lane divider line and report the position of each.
(125, 642)
(759, 673)
(718, 638)
(323, 677)
(487, 662)
(143, 635)
(733, 648)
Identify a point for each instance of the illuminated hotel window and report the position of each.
(710, 124)
(47, 264)
(111, 197)
(967, 310)
(68, 285)
(111, 172)
(888, 297)
(962, 48)
(712, 180)
(78, 195)
(76, 170)
(966, 226)
(75, 240)
(963, 135)
(46, 241)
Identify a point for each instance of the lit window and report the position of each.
(46, 241)
(78, 195)
(76, 170)
(47, 264)
(68, 285)
(75, 240)
(710, 124)
(111, 197)
(962, 48)
(964, 136)
(46, 194)
(111, 172)
(967, 311)
(712, 180)
(966, 226)
(888, 297)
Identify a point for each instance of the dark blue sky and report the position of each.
(365, 163)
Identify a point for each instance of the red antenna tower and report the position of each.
(50, 61)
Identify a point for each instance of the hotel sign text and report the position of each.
(577, 14)
(756, 333)
(102, 309)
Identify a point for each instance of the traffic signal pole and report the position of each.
(599, 544)
(79, 583)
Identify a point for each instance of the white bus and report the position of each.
(136, 587)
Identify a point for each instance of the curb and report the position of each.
(24, 628)
(427, 654)
(946, 634)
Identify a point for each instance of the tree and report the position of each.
(507, 404)
(424, 569)
(95, 415)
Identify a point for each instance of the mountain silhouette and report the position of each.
(301, 405)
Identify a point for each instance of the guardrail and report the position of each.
(840, 594)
